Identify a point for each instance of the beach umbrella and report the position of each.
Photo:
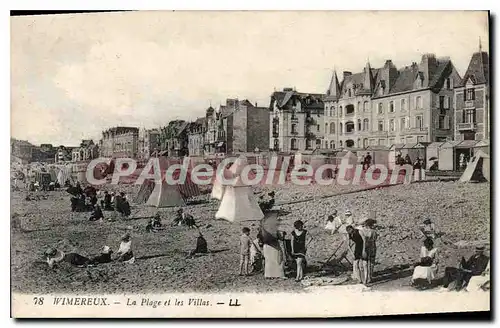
(269, 227)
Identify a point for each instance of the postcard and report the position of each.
(250, 164)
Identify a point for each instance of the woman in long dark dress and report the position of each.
(299, 247)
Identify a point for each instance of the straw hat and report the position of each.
(348, 213)
(106, 249)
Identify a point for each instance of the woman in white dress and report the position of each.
(274, 259)
(427, 268)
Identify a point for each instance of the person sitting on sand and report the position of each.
(125, 253)
(96, 213)
(201, 245)
(266, 202)
(104, 257)
(331, 222)
(428, 229)
(107, 202)
(157, 221)
(426, 270)
(184, 218)
(481, 282)
(149, 226)
(55, 256)
(474, 266)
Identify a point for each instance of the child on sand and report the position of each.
(245, 244)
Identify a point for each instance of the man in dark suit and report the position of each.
(474, 266)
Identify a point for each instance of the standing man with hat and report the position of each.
(474, 266)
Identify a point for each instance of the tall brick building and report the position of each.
(472, 101)
(245, 128)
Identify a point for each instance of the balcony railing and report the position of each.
(349, 132)
(276, 120)
(294, 119)
(310, 135)
(417, 130)
(294, 148)
(294, 132)
(275, 134)
(469, 104)
(466, 126)
(310, 121)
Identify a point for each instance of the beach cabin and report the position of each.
(432, 154)
(393, 151)
(447, 155)
(379, 154)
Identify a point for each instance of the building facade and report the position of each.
(22, 150)
(296, 121)
(120, 141)
(88, 150)
(246, 128)
(149, 142)
(196, 132)
(174, 139)
(63, 154)
(472, 101)
(211, 142)
(386, 106)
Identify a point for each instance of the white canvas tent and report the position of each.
(217, 189)
(64, 174)
(165, 195)
(238, 202)
(478, 168)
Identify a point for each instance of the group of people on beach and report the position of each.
(55, 256)
(472, 274)
(273, 254)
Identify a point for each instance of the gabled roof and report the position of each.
(405, 80)
(478, 70)
(283, 97)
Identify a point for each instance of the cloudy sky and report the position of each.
(74, 75)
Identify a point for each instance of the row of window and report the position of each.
(444, 103)
(350, 143)
(365, 125)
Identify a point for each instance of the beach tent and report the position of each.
(144, 192)
(186, 189)
(64, 175)
(483, 145)
(478, 168)
(238, 202)
(165, 195)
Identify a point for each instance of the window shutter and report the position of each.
(446, 122)
(446, 102)
(465, 94)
